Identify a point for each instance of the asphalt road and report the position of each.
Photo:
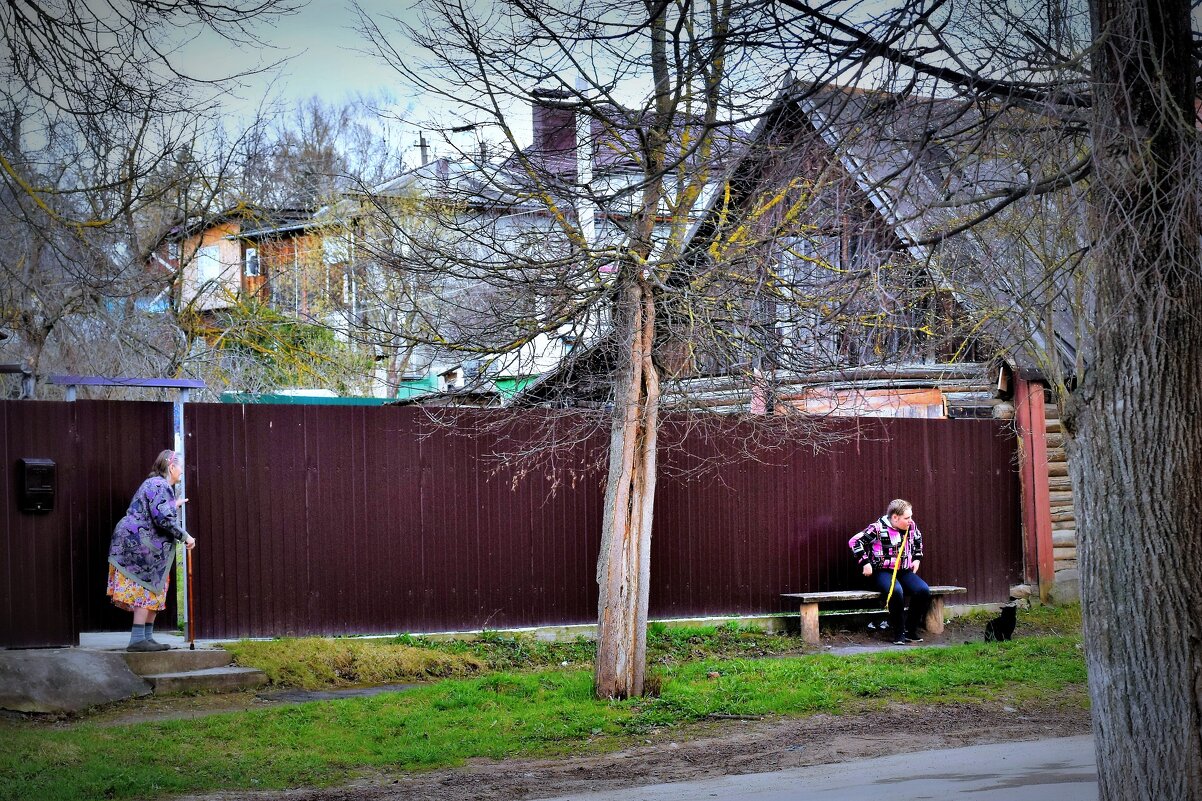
(1061, 769)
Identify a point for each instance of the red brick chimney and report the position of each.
(554, 126)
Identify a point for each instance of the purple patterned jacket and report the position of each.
(143, 544)
(879, 543)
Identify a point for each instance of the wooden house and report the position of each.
(839, 201)
(217, 264)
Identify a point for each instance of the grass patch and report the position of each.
(504, 714)
(665, 645)
(1037, 621)
(314, 663)
(509, 651)
(668, 645)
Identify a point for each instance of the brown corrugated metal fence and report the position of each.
(341, 520)
(53, 564)
(360, 520)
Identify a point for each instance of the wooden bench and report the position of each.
(810, 601)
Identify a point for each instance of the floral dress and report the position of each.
(143, 548)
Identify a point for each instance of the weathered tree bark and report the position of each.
(624, 565)
(1135, 439)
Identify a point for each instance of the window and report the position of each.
(250, 267)
(208, 264)
(335, 249)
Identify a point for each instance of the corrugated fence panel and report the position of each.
(379, 520)
(116, 445)
(753, 530)
(36, 548)
(342, 520)
(55, 564)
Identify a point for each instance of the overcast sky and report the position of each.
(322, 48)
(321, 55)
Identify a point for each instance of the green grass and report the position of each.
(505, 714)
(1036, 621)
(665, 645)
(315, 663)
(509, 651)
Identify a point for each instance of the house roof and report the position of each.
(931, 165)
(907, 156)
(247, 213)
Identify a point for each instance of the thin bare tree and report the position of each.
(101, 150)
(573, 253)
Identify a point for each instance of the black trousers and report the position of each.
(909, 587)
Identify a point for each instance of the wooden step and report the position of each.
(1057, 469)
(1064, 525)
(1063, 517)
(1057, 455)
(1052, 426)
(217, 679)
(1064, 552)
(1054, 440)
(1061, 498)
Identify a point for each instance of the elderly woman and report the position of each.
(143, 550)
(890, 547)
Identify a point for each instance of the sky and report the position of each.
(321, 48)
(322, 54)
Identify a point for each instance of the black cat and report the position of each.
(1002, 627)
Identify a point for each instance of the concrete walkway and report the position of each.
(117, 640)
(1063, 769)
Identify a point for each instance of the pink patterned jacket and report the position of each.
(879, 543)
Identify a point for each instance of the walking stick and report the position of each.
(188, 601)
(888, 598)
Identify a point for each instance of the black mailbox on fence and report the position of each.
(35, 487)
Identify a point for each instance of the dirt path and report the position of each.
(707, 750)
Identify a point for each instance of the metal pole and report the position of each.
(181, 569)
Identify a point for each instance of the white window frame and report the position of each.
(252, 258)
(208, 264)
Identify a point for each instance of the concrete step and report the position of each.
(177, 660)
(216, 679)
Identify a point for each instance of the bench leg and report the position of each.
(934, 621)
(809, 624)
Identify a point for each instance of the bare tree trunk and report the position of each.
(1135, 440)
(624, 565)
